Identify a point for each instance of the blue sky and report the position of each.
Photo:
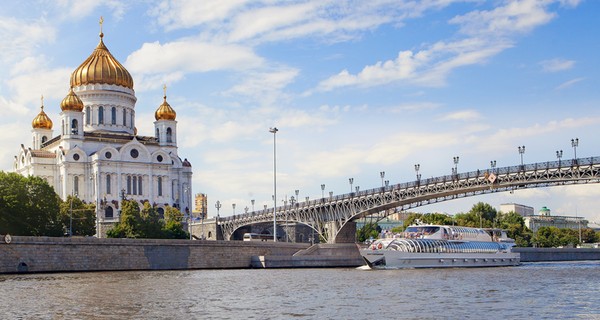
(355, 87)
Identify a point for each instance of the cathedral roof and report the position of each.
(164, 111)
(41, 121)
(101, 68)
(71, 102)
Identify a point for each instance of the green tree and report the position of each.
(514, 224)
(548, 237)
(28, 206)
(129, 223)
(146, 223)
(588, 235)
(369, 230)
(481, 214)
(173, 228)
(83, 216)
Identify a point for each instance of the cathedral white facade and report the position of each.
(96, 153)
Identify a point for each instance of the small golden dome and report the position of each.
(41, 121)
(71, 102)
(101, 68)
(164, 111)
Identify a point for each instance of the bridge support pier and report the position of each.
(347, 234)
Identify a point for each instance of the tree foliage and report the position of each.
(82, 216)
(548, 237)
(28, 206)
(369, 230)
(146, 223)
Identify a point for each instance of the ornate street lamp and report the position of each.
(382, 175)
(521, 152)
(575, 144)
(351, 180)
(559, 155)
(417, 168)
(323, 191)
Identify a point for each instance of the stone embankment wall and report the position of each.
(45, 254)
(557, 254)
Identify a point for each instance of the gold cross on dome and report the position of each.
(42, 99)
(101, 22)
(165, 90)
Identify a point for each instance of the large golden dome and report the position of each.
(41, 121)
(164, 111)
(101, 68)
(71, 102)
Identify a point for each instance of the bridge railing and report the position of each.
(423, 182)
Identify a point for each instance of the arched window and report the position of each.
(76, 185)
(44, 139)
(131, 120)
(169, 135)
(113, 115)
(62, 127)
(124, 117)
(87, 115)
(160, 186)
(100, 115)
(128, 184)
(108, 184)
(140, 186)
(134, 185)
(74, 126)
(108, 212)
(157, 135)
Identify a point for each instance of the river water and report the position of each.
(530, 291)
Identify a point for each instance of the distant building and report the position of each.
(521, 209)
(545, 219)
(200, 203)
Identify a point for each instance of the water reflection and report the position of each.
(539, 290)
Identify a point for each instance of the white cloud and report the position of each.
(569, 83)
(464, 115)
(265, 86)
(514, 17)
(20, 38)
(187, 56)
(556, 65)
(190, 13)
(79, 9)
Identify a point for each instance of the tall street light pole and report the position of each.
(417, 168)
(493, 165)
(382, 175)
(521, 151)
(218, 206)
(274, 132)
(575, 144)
(559, 155)
(351, 180)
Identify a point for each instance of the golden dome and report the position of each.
(164, 111)
(41, 121)
(71, 102)
(101, 68)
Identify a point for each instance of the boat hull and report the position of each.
(391, 259)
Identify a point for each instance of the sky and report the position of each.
(355, 88)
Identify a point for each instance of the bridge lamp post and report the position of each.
(233, 206)
(330, 195)
(382, 175)
(387, 183)
(357, 189)
(559, 155)
(274, 132)
(417, 168)
(252, 201)
(493, 165)
(455, 165)
(575, 144)
(292, 202)
(218, 206)
(246, 210)
(521, 151)
(323, 191)
(351, 180)
(297, 192)
(307, 198)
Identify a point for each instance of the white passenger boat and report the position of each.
(437, 246)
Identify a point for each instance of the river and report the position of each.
(530, 291)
